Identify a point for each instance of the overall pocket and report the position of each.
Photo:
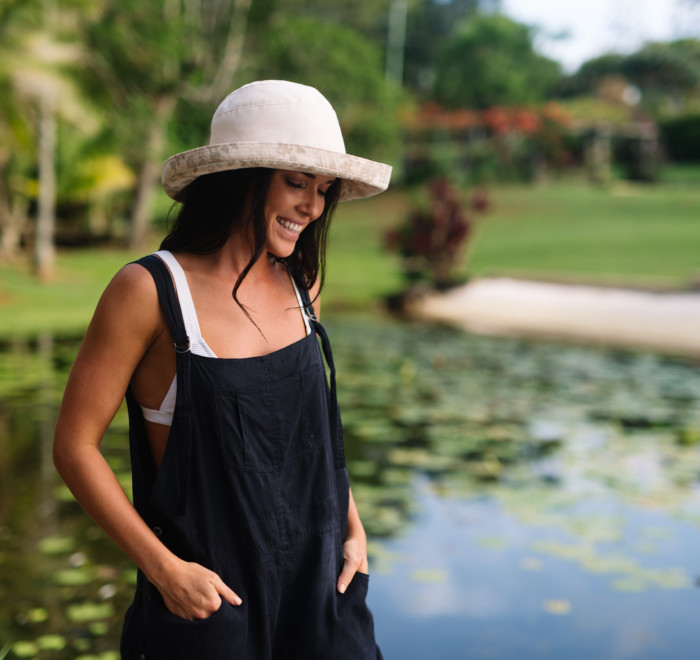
(224, 634)
(353, 635)
(261, 430)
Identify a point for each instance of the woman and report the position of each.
(244, 529)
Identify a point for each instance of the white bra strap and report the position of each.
(183, 293)
(189, 314)
(304, 311)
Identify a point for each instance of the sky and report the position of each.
(598, 26)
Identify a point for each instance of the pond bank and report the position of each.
(668, 322)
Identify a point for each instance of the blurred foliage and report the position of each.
(429, 24)
(491, 60)
(663, 77)
(136, 80)
(432, 237)
(348, 68)
(496, 144)
(681, 137)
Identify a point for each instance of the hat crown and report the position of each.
(277, 112)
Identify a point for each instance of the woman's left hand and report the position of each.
(354, 549)
(355, 555)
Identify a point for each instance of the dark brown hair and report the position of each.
(216, 205)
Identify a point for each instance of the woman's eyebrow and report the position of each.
(313, 176)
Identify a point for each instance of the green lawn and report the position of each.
(628, 234)
(62, 306)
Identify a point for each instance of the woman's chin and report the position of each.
(278, 253)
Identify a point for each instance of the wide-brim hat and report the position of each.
(281, 125)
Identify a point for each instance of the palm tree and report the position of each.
(38, 71)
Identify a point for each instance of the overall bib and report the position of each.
(253, 486)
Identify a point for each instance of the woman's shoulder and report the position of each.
(130, 296)
(133, 280)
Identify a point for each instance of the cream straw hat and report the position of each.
(280, 125)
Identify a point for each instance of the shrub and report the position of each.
(431, 240)
(681, 138)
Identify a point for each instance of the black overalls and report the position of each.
(253, 486)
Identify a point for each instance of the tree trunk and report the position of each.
(149, 174)
(221, 69)
(44, 254)
(12, 216)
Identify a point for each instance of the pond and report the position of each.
(523, 500)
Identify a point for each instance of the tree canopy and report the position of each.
(491, 60)
(138, 80)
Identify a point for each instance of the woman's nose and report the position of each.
(313, 203)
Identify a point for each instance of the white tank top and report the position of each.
(164, 414)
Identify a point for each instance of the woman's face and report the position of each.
(294, 201)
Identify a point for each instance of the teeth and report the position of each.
(292, 226)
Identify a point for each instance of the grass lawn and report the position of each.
(627, 234)
(64, 305)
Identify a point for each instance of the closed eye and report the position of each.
(302, 186)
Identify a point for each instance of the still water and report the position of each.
(523, 500)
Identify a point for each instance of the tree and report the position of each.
(665, 71)
(430, 23)
(16, 135)
(590, 75)
(347, 68)
(38, 72)
(146, 57)
(490, 60)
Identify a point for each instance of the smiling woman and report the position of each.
(243, 526)
(294, 201)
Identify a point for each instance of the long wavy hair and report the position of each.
(214, 206)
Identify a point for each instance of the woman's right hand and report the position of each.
(191, 591)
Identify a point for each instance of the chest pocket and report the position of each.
(265, 429)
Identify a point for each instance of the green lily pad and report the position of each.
(24, 649)
(74, 577)
(37, 615)
(83, 612)
(56, 545)
(51, 642)
(429, 575)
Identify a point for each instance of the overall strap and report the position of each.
(168, 300)
(181, 343)
(334, 411)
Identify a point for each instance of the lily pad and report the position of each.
(83, 612)
(558, 607)
(74, 577)
(51, 642)
(56, 545)
(24, 649)
(429, 575)
(37, 615)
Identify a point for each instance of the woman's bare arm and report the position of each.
(355, 545)
(354, 548)
(126, 323)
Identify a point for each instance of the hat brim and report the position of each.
(360, 177)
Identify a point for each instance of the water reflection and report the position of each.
(472, 579)
(523, 500)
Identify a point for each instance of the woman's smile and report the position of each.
(294, 201)
(294, 227)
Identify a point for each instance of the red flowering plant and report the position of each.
(431, 240)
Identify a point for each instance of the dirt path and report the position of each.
(667, 322)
